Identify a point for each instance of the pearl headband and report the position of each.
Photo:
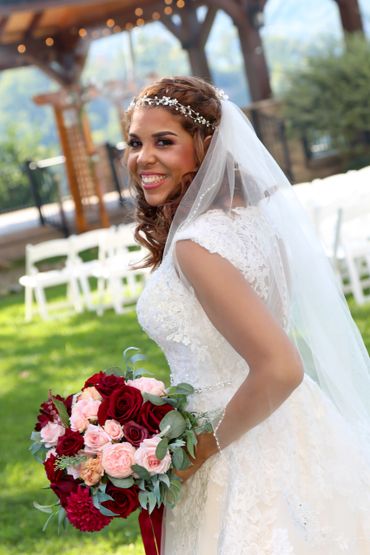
(186, 111)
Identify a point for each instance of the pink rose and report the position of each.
(145, 456)
(82, 412)
(118, 458)
(148, 385)
(50, 433)
(90, 393)
(95, 438)
(78, 421)
(113, 429)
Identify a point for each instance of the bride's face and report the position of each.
(160, 153)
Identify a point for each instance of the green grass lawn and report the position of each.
(60, 354)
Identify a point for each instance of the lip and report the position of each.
(155, 184)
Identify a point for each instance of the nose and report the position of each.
(146, 155)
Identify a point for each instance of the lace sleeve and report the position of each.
(235, 237)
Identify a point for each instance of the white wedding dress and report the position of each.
(298, 483)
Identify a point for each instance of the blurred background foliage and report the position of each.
(330, 95)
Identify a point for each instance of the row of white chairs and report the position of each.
(110, 256)
(339, 207)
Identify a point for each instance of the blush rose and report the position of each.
(148, 385)
(113, 429)
(95, 438)
(117, 459)
(51, 433)
(145, 456)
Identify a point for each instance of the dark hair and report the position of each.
(153, 222)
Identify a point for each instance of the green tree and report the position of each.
(15, 148)
(330, 96)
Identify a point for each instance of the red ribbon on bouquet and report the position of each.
(151, 530)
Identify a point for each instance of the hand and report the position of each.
(205, 448)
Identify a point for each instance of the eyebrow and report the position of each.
(156, 135)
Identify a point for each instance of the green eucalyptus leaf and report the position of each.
(139, 372)
(154, 399)
(36, 436)
(135, 358)
(44, 508)
(152, 501)
(62, 411)
(122, 482)
(178, 458)
(165, 479)
(113, 371)
(104, 511)
(62, 519)
(141, 471)
(191, 441)
(184, 388)
(143, 499)
(47, 521)
(175, 421)
(162, 448)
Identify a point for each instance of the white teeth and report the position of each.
(151, 178)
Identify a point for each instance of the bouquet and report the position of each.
(114, 447)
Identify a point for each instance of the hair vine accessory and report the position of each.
(186, 111)
(221, 95)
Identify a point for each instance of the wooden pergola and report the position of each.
(54, 35)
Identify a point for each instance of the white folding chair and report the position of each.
(37, 280)
(93, 265)
(124, 281)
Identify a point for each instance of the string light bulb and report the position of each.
(139, 12)
(168, 10)
(49, 41)
(180, 4)
(156, 16)
(110, 22)
(140, 21)
(82, 32)
(168, 2)
(129, 26)
(21, 48)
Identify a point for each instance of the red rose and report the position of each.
(48, 412)
(82, 514)
(64, 488)
(53, 474)
(126, 500)
(105, 383)
(124, 404)
(151, 415)
(134, 433)
(69, 443)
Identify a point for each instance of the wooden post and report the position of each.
(243, 14)
(80, 220)
(193, 35)
(350, 16)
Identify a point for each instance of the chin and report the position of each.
(155, 199)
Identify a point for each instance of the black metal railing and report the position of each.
(48, 185)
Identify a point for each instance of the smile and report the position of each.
(151, 181)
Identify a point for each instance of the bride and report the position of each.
(246, 308)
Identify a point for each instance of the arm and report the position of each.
(243, 319)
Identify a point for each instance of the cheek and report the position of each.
(131, 163)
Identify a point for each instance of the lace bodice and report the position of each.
(268, 493)
(170, 313)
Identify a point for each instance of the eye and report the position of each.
(164, 142)
(134, 143)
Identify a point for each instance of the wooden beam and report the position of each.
(350, 16)
(3, 21)
(9, 6)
